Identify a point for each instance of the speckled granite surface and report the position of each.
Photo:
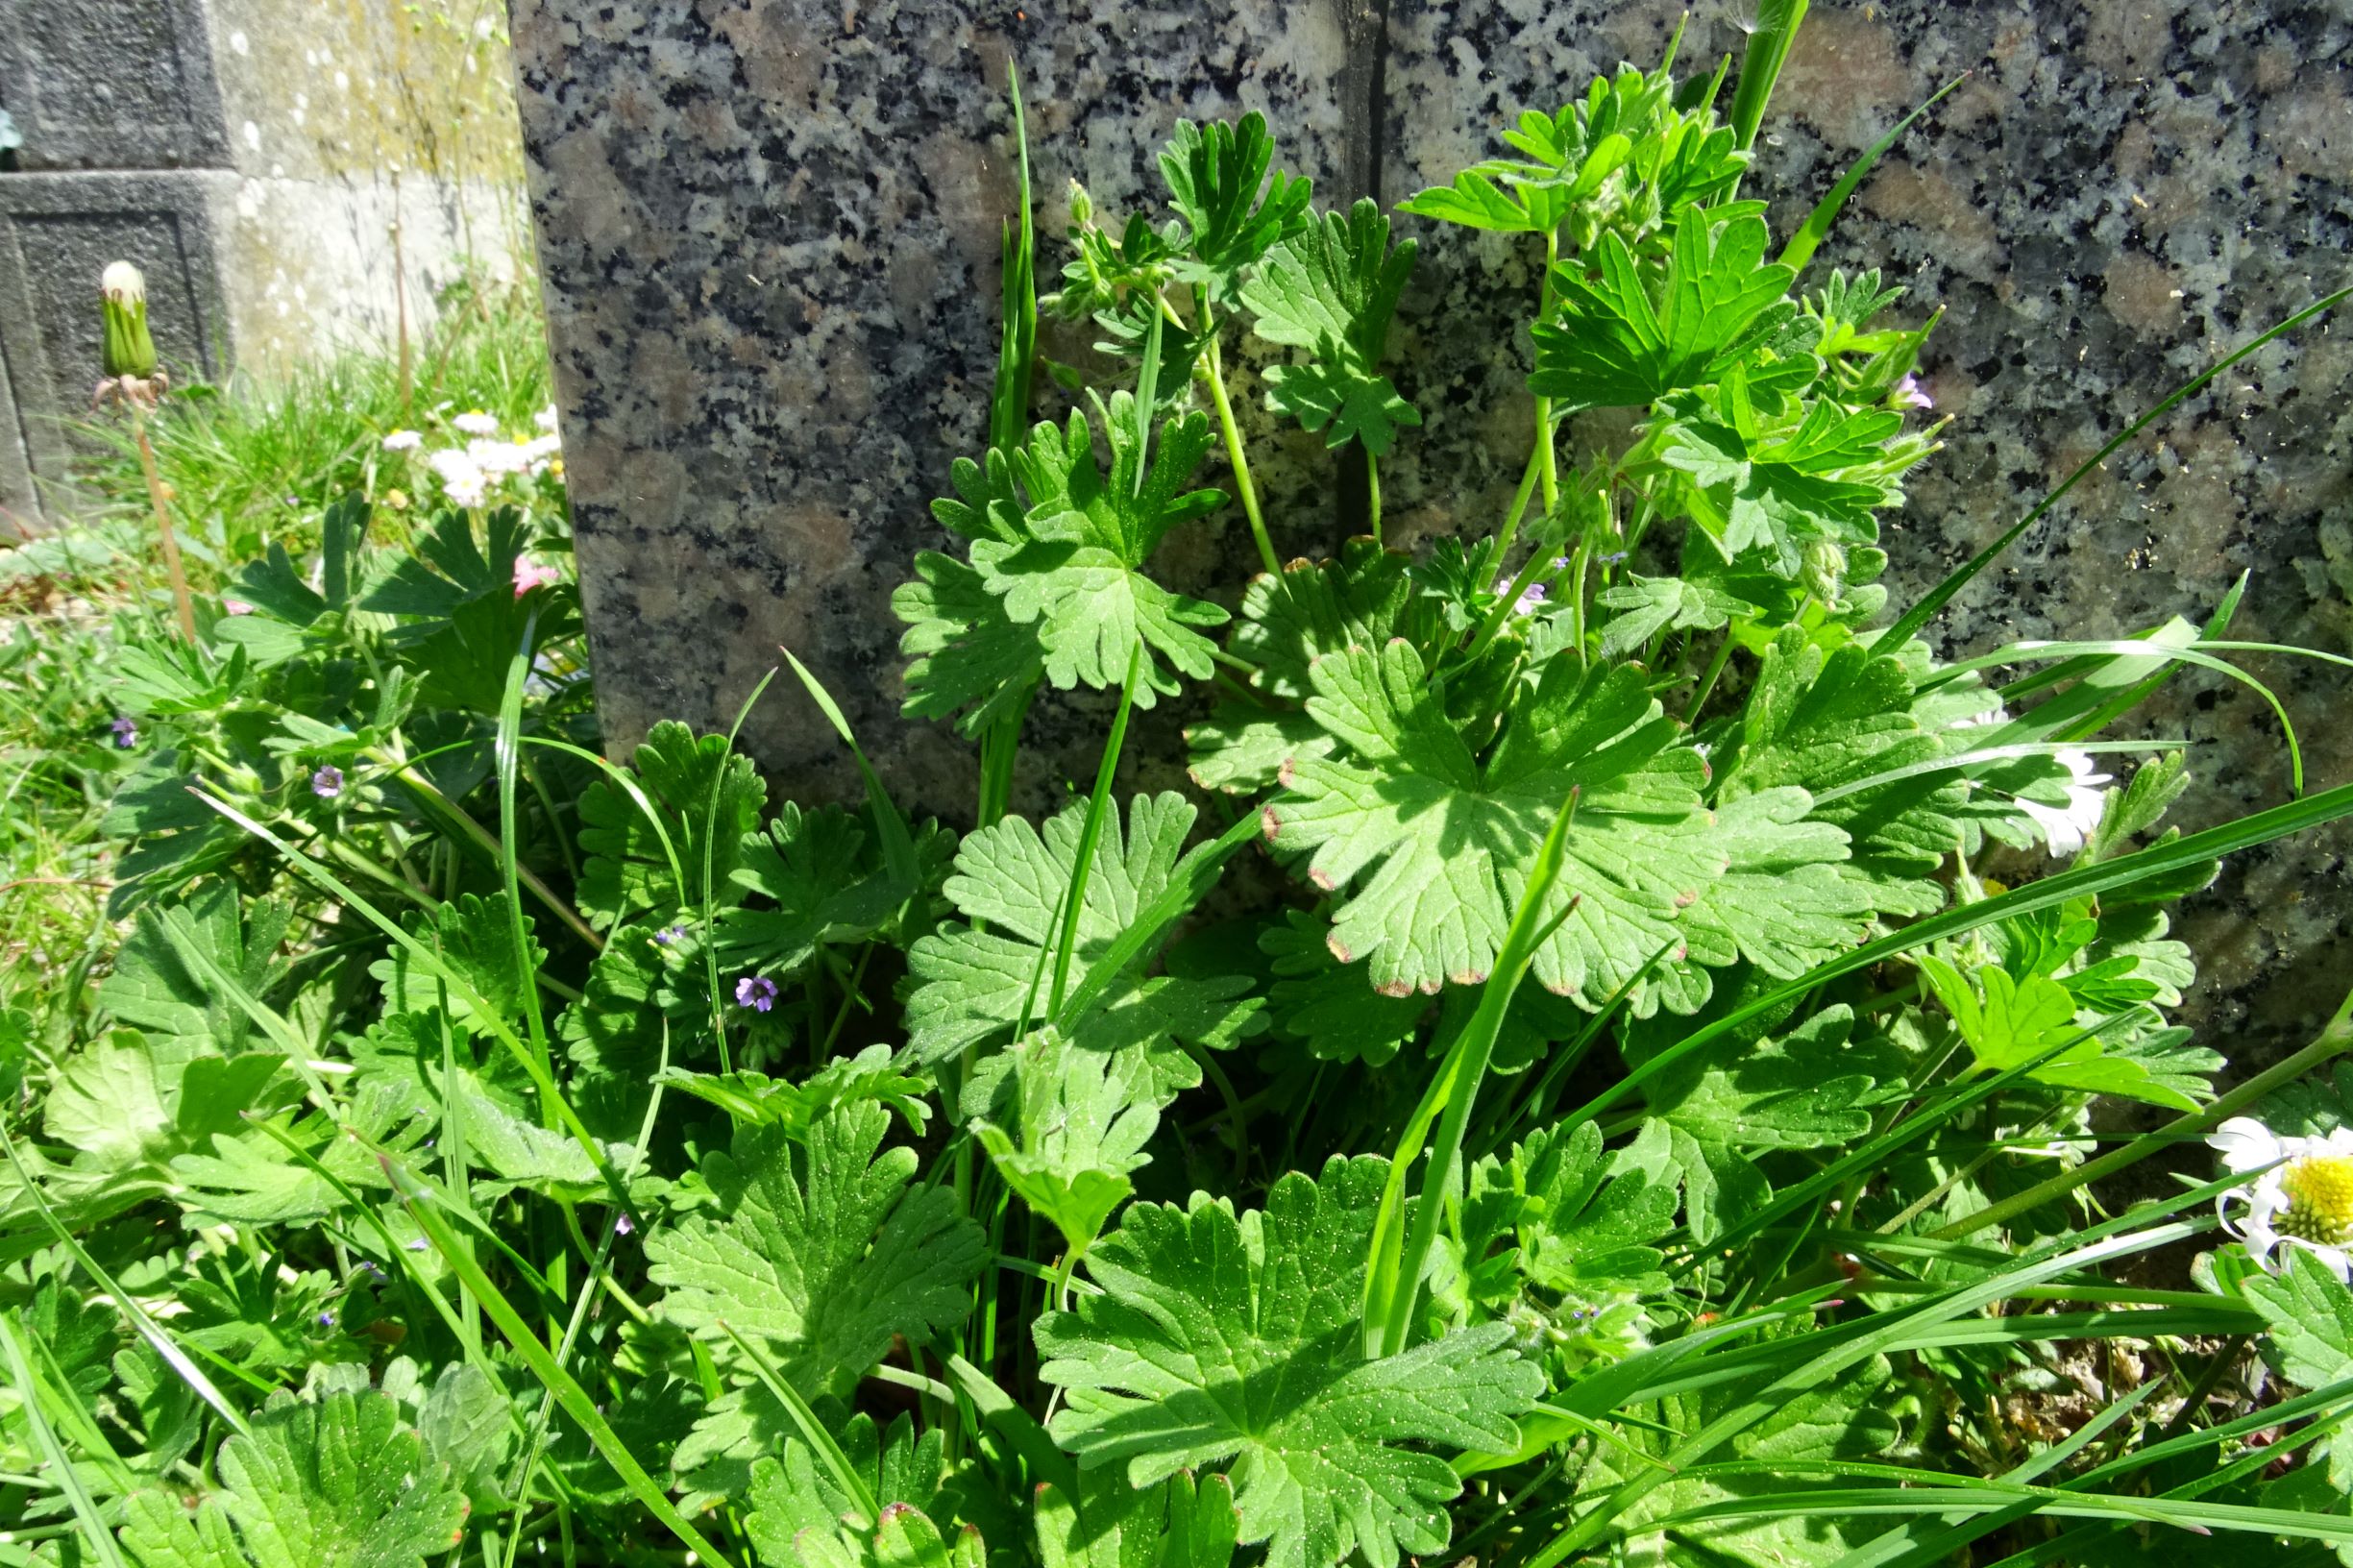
(769, 240)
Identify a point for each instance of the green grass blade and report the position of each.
(431, 963)
(1986, 1496)
(2195, 849)
(709, 934)
(2121, 647)
(2334, 1038)
(1189, 883)
(561, 1383)
(1820, 1369)
(1091, 835)
(812, 1430)
(99, 1539)
(625, 781)
(1874, 1153)
(136, 1315)
(897, 844)
(1017, 357)
(1397, 1270)
(429, 1291)
(1922, 613)
(507, 752)
(1020, 1431)
(280, 1033)
(1962, 761)
(1817, 225)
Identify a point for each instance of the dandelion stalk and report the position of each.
(131, 378)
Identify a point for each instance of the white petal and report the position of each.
(2244, 1143)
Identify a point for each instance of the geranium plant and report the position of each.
(1653, 1120)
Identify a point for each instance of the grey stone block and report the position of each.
(57, 232)
(111, 85)
(19, 508)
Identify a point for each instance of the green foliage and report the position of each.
(1332, 289)
(1622, 342)
(1236, 1337)
(1448, 837)
(436, 1142)
(1055, 587)
(343, 1482)
(815, 1248)
(1081, 1124)
(704, 800)
(975, 984)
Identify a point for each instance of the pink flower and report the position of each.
(531, 575)
(236, 606)
(1911, 394)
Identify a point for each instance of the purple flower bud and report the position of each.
(126, 732)
(756, 991)
(327, 1321)
(669, 934)
(328, 782)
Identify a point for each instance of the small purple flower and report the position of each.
(328, 782)
(622, 1225)
(1533, 597)
(1612, 559)
(327, 1321)
(756, 991)
(126, 732)
(669, 934)
(1911, 394)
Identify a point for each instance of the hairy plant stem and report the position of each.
(1707, 681)
(1548, 462)
(1534, 567)
(1499, 545)
(1239, 461)
(181, 604)
(1001, 745)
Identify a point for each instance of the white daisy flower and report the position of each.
(474, 422)
(2065, 828)
(2303, 1197)
(462, 479)
(545, 419)
(403, 441)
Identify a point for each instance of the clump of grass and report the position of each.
(246, 463)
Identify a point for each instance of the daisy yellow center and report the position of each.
(2319, 1199)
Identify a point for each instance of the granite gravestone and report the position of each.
(768, 236)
